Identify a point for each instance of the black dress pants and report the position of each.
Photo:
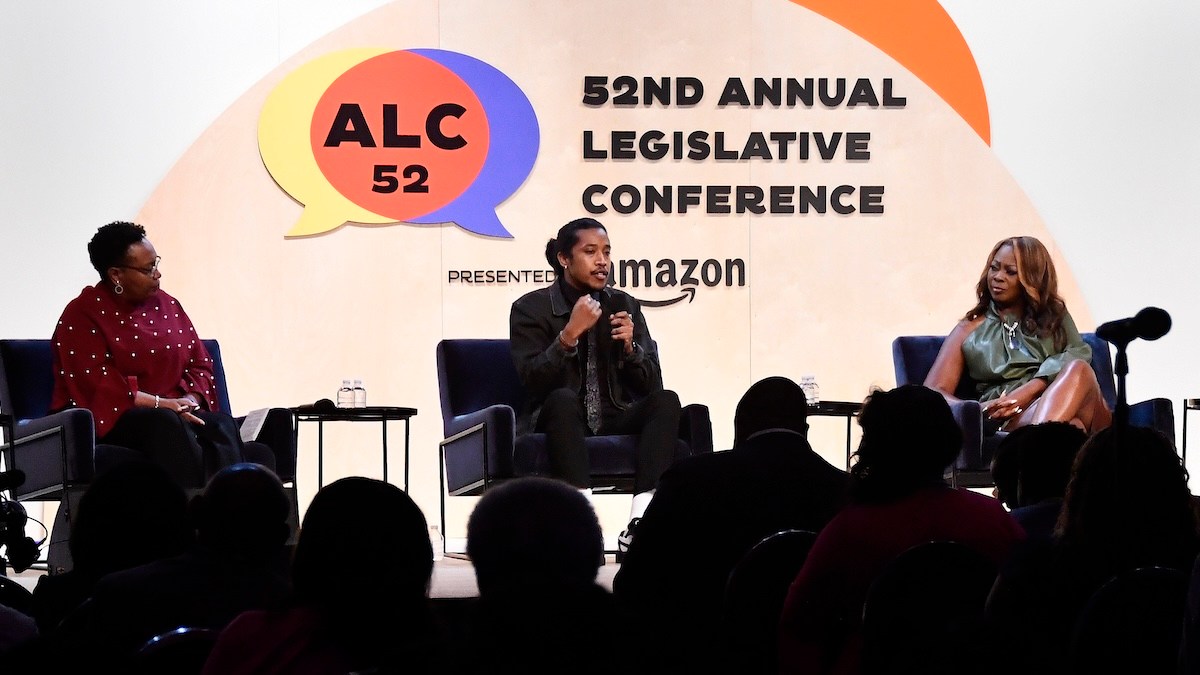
(655, 420)
(189, 452)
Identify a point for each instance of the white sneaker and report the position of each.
(626, 538)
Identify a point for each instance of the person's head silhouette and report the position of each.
(534, 534)
(769, 404)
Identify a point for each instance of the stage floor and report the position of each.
(455, 577)
(452, 577)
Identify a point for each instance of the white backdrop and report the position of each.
(1091, 111)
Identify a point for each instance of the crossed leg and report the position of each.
(1074, 396)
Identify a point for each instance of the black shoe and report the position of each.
(626, 538)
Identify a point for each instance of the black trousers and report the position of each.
(655, 420)
(189, 452)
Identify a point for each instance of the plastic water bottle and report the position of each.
(345, 395)
(436, 541)
(360, 394)
(812, 392)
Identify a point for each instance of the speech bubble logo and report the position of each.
(514, 148)
(381, 137)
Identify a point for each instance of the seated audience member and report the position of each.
(131, 514)
(1031, 470)
(238, 563)
(16, 628)
(360, 579)
(1127, 506)
(536, 546)
(1189, 645)
(709, 510)
(898, 500)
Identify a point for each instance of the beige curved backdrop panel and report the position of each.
(823, 294)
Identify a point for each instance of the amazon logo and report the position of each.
(684, 275)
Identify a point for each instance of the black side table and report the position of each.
(381, 414)
(847, 409)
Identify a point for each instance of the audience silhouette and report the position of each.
(1127, 506)
(1189, 647)
(238, 563)
(898, 500)
(710, 510)
(1031, 469)
(536, 546)
(355, 595)
(360, 578)
(130, 514)
(16, 629)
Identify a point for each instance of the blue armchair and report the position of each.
(913, 357)
(58, 452)
(480, 396)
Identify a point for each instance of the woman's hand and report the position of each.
(1002, 408)
(184, 406)
(1013, 403)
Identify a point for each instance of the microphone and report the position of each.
(612, 304)
(1149, 324)
(11, 479)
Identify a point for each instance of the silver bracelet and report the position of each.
(156, 400)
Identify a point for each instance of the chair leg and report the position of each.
(58, 554)
(293, 517)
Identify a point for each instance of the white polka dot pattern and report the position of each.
(95, 329)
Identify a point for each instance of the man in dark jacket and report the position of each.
(710, 510)
(589, 365)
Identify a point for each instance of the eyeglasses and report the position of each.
(148, 271)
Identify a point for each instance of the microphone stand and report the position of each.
(1121, 369)
(1120, 420)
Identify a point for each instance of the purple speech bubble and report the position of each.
(512, 150)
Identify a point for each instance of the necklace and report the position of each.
(1011, 329)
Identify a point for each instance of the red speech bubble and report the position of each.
(400, 135)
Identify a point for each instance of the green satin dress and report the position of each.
(1000, 360)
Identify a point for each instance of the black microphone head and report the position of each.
(615, 302)
(13, 478)
(1152, 323)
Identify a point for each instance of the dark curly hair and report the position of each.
(909, 437)
(111, 243)
(1128, 502)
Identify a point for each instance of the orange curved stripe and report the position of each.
(921, 36)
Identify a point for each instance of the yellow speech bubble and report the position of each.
(283, 132)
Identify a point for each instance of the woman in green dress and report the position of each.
(1021, 347)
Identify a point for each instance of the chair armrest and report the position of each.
(478, 447)
(969, 416)
(42, 446)
(1155, 413)
(695, 427)
(494, 416)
